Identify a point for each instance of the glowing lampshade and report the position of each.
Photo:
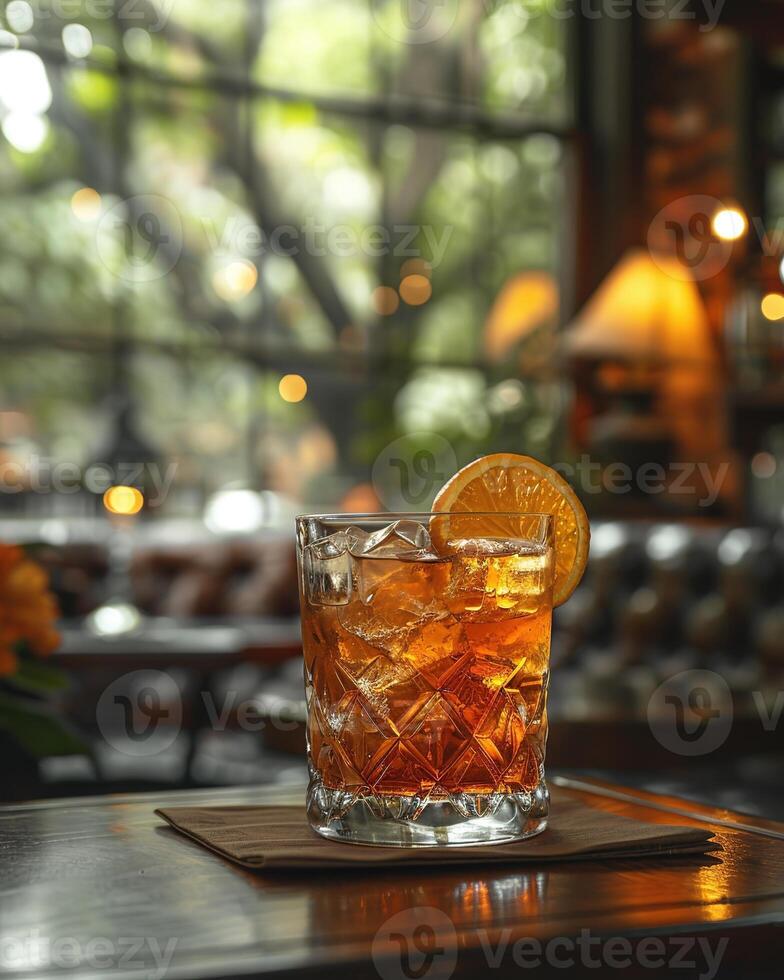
(526, 302)
(644, 313)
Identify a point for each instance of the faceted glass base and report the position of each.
(397, 821)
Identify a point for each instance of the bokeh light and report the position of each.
(763, 465)
(137, 43)
(77, 40)
(506, 396)
(24, 84)
(86, 204)
(385, 300)
(114, 619)
(772, 306)
(14, 425)
(26, 133)
(292, 387)
(730, 224)
(235, 280)
(19, 15)
(123, 500)
(360, 499)
(8, 40)
(416, 267)
(232, 511)
(415, 290)
(26, 95)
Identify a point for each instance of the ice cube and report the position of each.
(330, 547)
(327, 571)
(492, 578)
(402, 539)
(387, 607)
(525, 574)
(373, 575)
(378, 555)
(356, 540)
(489, 547)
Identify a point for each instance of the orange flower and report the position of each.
(28, 609)
(10, 555)
(8, 663)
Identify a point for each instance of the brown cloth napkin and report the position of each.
(279, 837)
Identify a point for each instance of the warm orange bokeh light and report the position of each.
(292, 387)
(385, 300)
(772, 306)
(415, 290)
(416, 267)
(730, 224)
(235, 280)
(360, 499)
(123, 500)
(86, 204)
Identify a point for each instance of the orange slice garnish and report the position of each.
(504, 484)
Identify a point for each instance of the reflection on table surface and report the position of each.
(108, 868)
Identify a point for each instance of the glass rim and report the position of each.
(420, 515)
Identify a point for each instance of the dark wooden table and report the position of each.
(99, 888)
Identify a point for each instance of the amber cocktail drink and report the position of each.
(426, 666)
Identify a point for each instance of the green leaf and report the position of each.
(38, 678)
(37, 730)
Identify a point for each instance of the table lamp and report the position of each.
(526, 306)
(647, 312)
